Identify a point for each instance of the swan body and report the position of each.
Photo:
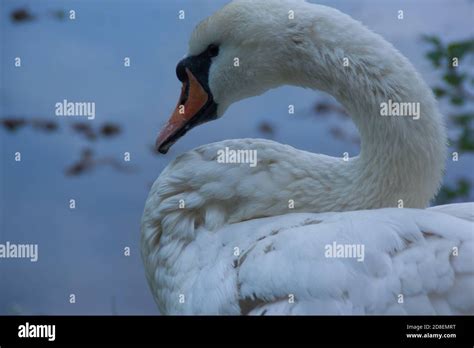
(222, 238)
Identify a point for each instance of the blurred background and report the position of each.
(82, 251)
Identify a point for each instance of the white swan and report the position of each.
(226, 238)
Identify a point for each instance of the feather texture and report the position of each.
(304, 233)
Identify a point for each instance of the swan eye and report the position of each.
(213, 50)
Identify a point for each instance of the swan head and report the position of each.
(234, 54)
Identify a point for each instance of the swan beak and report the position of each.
(195, 106)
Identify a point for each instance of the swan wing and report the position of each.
(197, 260)
(460, 210)
(413, 262)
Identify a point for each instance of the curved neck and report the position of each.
(403, 142)
(403, 138)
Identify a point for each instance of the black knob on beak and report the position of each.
(181, 71)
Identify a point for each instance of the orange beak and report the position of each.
(191, 103)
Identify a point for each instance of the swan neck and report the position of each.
(403, 138)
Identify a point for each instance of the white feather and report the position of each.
(238, 247)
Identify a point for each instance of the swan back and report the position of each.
(199, 209)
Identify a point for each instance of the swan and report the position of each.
(305, 233)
